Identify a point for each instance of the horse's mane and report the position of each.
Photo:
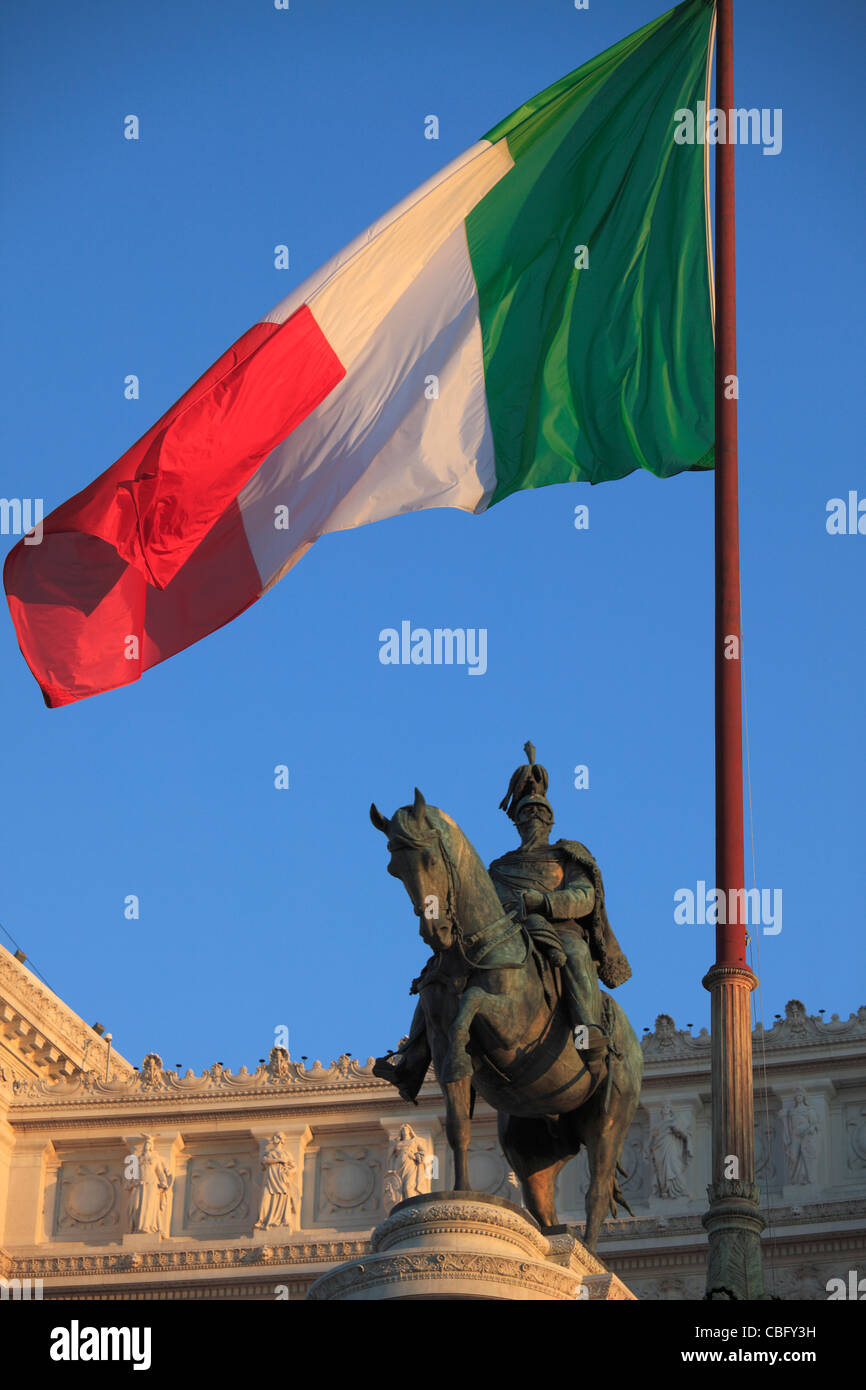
(404, 830)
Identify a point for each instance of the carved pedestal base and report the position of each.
(467, 1245)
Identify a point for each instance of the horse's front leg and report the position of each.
(458, 1127)
(455, 1078)
(458, 1063)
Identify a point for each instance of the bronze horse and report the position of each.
(490, 1016)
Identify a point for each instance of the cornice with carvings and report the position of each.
(689, 1223)
(169, 1261)
(797, 1029)
(190, 1290)
(465, 1217)
(154, 1085)
(411, 1267)
(39, 1007)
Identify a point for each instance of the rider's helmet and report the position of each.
(527, 787)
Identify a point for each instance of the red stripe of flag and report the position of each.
(155, 548)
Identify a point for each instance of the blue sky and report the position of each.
(261, 907)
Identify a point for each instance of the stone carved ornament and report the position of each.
(857, 1139)
(802, 1133)
(154, 1081)
(666, 1043)
(349, 1181)
(218, 1190)
(455, 1267)
(150, 1183)
(408, 1169)
(280, 1203)
(672, 1152)
(796, 1029)
(89, 1195)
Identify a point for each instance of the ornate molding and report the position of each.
(797, 1029)
(451, 1268)
(280, 1076)
(188, 1260)
(55, 1036)
(627, 1229)
(464, 1217)
(153, 1083)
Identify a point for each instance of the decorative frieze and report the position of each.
(218, 1193)
(348, 1185)
(91, 1201)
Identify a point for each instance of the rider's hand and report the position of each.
(532, 901)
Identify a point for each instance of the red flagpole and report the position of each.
(730, 871)
(733, 1222)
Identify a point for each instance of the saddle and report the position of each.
(600, 1050)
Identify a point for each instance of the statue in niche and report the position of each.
(280, 1204)
(151, 1185)
(671, 1150)
(407, 1167)
(801, 1132)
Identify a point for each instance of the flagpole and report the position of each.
(733, 1222)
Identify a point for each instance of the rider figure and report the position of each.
(557, 891)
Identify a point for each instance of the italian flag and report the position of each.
(538, 312)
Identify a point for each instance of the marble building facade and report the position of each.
(129, 1183)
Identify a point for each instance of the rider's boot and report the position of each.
(391, 1068)
(591, 1039)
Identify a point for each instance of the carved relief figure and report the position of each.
(278, 1063)
(671, 1149)
(151, 1186)
(407, 1165)
(151, 1070)
(280, 1204)
(802, 1131)
(392, 1191)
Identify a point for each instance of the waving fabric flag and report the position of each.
(538, 312)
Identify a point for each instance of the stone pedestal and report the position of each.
(463, 1245)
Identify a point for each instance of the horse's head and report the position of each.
(423, 859)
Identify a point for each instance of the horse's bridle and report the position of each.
(403, 841)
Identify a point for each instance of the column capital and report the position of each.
(730, 975)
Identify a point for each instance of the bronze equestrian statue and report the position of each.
(509, 1003)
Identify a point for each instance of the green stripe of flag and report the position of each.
(591, 372)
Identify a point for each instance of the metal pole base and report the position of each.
(734, 1225)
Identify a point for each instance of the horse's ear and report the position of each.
(381, 822)
(419, 806)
